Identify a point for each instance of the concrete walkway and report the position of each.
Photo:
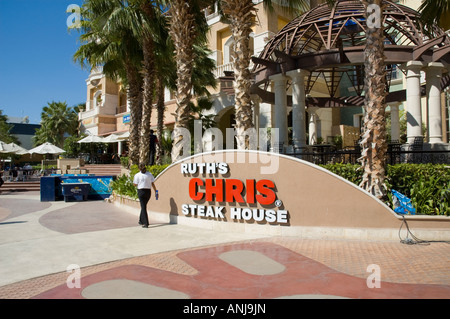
(119, 259)
(34, 244)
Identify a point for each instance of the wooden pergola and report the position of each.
(329, 43)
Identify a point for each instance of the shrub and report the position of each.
(348, 171)
(428, 185)
(123, 185)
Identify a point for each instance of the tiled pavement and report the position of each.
(182, 262)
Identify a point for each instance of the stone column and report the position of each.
(433, 78)
(298, 107)
(414, 108)
(395, 121)
(280, 112)
(312, 130)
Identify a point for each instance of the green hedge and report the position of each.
(428, 185)
(123, 185)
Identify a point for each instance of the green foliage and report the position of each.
(57, 119)
(125, 161)
(428, 185)
(5, 128)
(123, 185)
(348, 171)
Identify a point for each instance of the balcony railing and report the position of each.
(220, 69)
(328, 154)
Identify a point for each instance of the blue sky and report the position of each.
(36, 65)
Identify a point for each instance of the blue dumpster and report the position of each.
(77, 191)
(49, 188)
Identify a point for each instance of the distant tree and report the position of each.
(5, 129)
(57, 119)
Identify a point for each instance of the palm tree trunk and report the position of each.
(182, 30)
(373, 143)
(148, 91)
(134, 96)
(148, 75)
(242, 18)
(160, 107)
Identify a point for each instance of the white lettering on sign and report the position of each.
(203, 211)
(259, 215)
(204, 168)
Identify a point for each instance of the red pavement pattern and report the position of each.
(216, 279)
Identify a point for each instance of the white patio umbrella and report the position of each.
(46, 148)
(113, 138)
(12, 148)
(92, 139)
(123, 136)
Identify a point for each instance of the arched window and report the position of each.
(229, 47)
(97, 100)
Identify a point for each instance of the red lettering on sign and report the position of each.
(231, 190)
(265, 188)
(250, 191)
(193, 189)
(211, 189)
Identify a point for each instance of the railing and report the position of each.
(220, 69)
(329, 155)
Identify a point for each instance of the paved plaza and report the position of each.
(116, 258)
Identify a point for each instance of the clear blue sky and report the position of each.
(36, 65)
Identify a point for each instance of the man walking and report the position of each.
(144, 181)
(153, 142)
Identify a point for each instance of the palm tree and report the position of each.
(5, 128)
(241, 16)
(182, 30)
(374, 138)
(435, 12)
(57, 119)
(109, 40)
(148, 75)
(188, 28)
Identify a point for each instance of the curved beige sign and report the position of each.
(268, 193)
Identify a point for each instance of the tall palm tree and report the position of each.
(241, 16)
(109, 40)
(374, 138)
(182, 30)
(188, 27)
(148, 74)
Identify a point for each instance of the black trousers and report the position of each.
(144, 196)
